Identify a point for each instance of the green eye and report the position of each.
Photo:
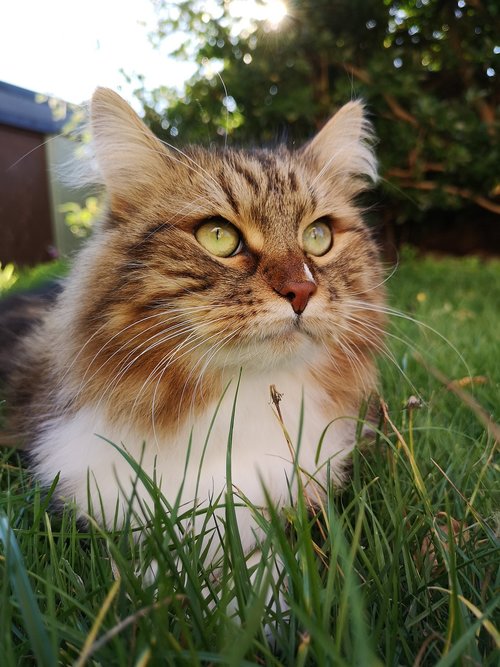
(219, 237)
(317, 238)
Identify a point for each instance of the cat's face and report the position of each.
(210, 259)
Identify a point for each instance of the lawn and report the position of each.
(401, 568)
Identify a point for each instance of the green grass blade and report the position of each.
(32, 616)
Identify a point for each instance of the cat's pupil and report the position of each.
(220, 238)
(317, 238)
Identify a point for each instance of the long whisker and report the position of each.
(227, 109)
(343, 149)
(176, 218)
(153, 405)
(173, 355)
(359, 327)
(176, 311)
(124, 367)
(37, 147)
(107, 390)
(77, 356)
(127, 362)
(352, 358)
(210, 353)
(199, 169)
(364, 324)
(364, 305)
(379, 284)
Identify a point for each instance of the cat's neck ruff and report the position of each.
(260, 452)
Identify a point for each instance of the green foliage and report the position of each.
(7, 277)
(80, 219)
(399, 569)
(426, 69)
(17, 279)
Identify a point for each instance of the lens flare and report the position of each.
(271, 11)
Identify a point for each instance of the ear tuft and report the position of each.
(127, 152)
(342, 148)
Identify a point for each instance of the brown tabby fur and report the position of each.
(104, 342)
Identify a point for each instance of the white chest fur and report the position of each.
(76, 448)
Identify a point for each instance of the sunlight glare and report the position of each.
(275, 12)
(272, 11)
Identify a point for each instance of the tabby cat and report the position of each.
(208, 268)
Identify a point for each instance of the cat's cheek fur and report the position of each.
(260, 454)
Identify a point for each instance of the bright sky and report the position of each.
(67, 48)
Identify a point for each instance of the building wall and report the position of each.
(26, 235)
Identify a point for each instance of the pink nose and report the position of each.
(298, 293)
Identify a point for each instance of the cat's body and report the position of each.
(153, 325)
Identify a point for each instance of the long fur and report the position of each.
(151, 328)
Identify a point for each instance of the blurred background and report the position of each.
(260, 71)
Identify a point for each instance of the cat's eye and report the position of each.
(219, 237)
(317, 238)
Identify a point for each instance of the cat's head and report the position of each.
(208, 258)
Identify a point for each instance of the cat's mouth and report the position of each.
(290, 330)
(297, 322)
(271, 340)
(300, 323)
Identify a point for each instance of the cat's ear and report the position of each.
(128, 154)
(342, 149)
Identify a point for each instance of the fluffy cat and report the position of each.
(207, 264)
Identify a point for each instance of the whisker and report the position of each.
(126, 363)
(212, 351)
(175, 218)
(343, 149)
(353, 359)
(359, 326)
(197, 168)
(176, 311)
(153, 405)
(386, 310)
(165, 362)
(125, 367)
(379, 284)
(227, 109)
(40, 145)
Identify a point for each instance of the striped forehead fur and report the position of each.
(130, 157)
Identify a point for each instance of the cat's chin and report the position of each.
(270, 350)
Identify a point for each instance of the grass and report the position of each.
(17, 280)
(399, 569)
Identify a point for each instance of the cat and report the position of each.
(209, 270)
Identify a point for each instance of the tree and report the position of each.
(425, 68)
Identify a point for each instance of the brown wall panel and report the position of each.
(25, 217)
